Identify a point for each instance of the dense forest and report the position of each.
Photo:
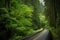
(20, 18)
(52, 12)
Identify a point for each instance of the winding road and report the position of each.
(44, 35)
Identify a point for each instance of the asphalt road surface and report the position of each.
(40, 36)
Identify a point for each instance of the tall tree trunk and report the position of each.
(51, 12)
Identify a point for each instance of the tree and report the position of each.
(53, 15)
(37, 10)
(18, 18)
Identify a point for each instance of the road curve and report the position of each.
(40, 36)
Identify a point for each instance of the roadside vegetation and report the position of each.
(20, 18)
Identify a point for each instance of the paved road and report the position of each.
(40, 36)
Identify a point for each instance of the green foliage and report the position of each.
(42, 17)
(20, 19)
(17, 18)
(55, 32)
